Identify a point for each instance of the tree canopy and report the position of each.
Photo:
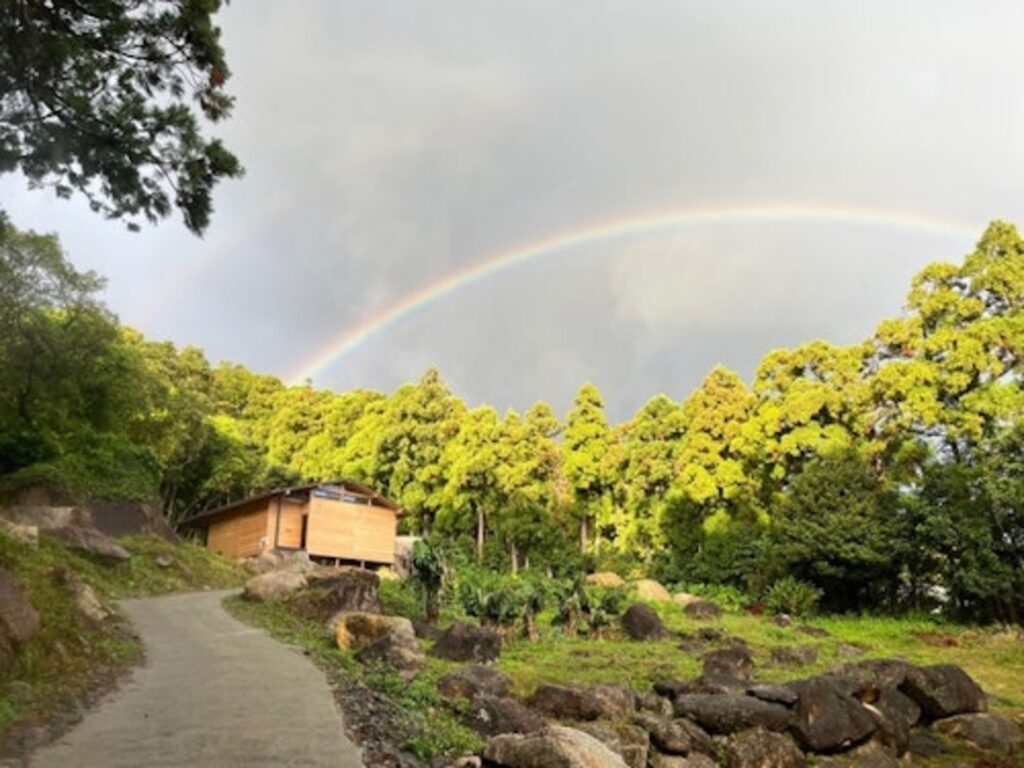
(106, 98)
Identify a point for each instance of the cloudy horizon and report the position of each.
(390, 146)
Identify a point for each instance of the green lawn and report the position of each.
(995, 659)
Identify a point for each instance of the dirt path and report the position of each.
(213, 691)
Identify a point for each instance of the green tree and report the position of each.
(585, 447)
(470, 463)
(97, 98)
(839, 528)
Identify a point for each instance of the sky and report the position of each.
(391, 147)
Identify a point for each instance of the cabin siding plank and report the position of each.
(243, 533)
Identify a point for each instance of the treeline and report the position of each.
(889, 474)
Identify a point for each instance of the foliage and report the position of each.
(428, 570)
(98, 99)
(792, 596)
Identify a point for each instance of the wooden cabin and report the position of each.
(341, 520)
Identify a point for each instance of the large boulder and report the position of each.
(652, 703)
(826, 718)
(641, 622)
(403, 554)
(473, 680)
(568, 703)
(943, 690)
(492, 715)
(468, 642)
(649, 589)
(275, 585)
(552, 747)
(604, 579)
(399, 650)
(989, 731)
(630, 742)
(337, 590)
(355, 631)
(675, 737)
(760, 748)
(778, 694)
(86, 601)
(736, 662)
(725, 714)
(18, 620)
(702, 610)
(693, 760)
(90, 541)
(46, 510)
(684, 598)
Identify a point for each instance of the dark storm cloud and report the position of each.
(390, 143)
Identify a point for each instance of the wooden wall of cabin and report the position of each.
(351, 531)
(244, 532)
(289, 534)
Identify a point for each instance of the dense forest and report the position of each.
(888, 474)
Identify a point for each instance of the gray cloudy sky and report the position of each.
(389, 143)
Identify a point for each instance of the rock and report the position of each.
(778, 694)
(264, 562)
(807, 629)
(164, 561)
(795, 655)
(675, 737)
(604, 579)
(847, 651)
(671, 688)
(713, 683)
(711, 634)
(943, 690)
(566, 703)
(652, 703)
(826, 719)
(403, 554)
(724, 714)
(648, 589)
(782, 620)
(492, 715)
(895, 715)
(469, 761)
(760, 748)
(695, 760)
(90, 541)
(873, 754)
(692, 645)
(18, 620)
(86, 601)
(988, 731)
(473, 680)
(20, 534)
(467, 642)
(735, 662)
(925, 744)
(355, 631)
(684, 598)
(274, 585)
(641, 622)
(873, 673)
(426, 631)
(630, 742)
(555, 746)
(337, 590)
(400, 650)
(702, 610)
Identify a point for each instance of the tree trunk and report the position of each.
(583, 535)
(480, 523)
(514, 556)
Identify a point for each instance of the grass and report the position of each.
(994, 659)
(70, 655)
(429, 725)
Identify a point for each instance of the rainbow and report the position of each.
(601, 232)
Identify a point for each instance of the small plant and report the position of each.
(571, 597)
(792, 596)
(604, 605)
(428, 570)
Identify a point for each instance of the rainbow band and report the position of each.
(453, 282)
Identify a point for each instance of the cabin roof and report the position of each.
(349, 485)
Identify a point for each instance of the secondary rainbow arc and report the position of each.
(645, 224)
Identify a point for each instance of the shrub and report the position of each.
(603, 606)
(400, 597)
(730, 598)
(792, 596)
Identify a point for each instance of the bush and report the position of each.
(730, 598)
(792, 596)
(401, 597)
